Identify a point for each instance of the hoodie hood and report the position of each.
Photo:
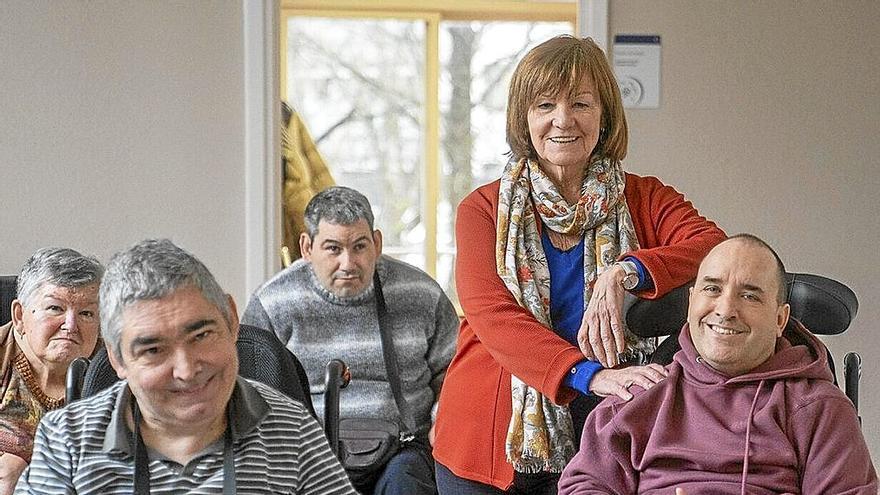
(798, 354)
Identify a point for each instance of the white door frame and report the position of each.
(262, 174)
(593, 21)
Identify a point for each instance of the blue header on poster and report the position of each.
(642, 39)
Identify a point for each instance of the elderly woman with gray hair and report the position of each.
(54, 321)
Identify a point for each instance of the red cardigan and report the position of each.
(498, 336)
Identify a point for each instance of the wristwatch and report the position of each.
(631, 274)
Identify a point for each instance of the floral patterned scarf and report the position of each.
(541, 436)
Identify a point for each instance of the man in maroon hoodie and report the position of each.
(742, 410)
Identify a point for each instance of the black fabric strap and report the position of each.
(388, 351)
(142, 461)
(229, 485)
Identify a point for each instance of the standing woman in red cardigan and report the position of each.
(545, 255)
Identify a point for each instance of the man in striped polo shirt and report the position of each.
(181, 420)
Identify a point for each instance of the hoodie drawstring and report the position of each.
(748, 438)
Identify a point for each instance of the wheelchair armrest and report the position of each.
(852, 374)
(336, 377)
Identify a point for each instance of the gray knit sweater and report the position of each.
(318, 326)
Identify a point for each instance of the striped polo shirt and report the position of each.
(279, 448)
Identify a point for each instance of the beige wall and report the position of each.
(121, 120)
(770, 123)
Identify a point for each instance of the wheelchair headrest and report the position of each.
(823, 305)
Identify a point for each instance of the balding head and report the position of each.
(782, 294)
(735, 311)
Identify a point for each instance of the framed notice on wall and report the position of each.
(636, 60)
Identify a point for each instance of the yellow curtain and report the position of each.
(305, 174)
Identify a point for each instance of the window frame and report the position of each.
(432, 13)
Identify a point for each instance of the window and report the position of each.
(409, 107)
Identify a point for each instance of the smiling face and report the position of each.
(59, 325)
(343, 256)
(564, 128)
(734, 316)
(178, 354)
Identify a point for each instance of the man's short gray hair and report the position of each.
(338, 205)
(62, 267)
(152, 269)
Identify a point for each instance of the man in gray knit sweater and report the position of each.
(323, 307)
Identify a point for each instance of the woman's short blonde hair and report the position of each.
(562, 63)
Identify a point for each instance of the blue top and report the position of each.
(567, 302)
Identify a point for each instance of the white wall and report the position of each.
(121, 120)
(770, 124)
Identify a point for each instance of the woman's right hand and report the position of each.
(601, 335)
(11, 467)
(617, 382)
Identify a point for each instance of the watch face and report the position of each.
(630, 281)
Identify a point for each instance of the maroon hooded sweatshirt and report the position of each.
(783, 427)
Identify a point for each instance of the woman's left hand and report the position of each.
(601, 335)
(618, 382)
